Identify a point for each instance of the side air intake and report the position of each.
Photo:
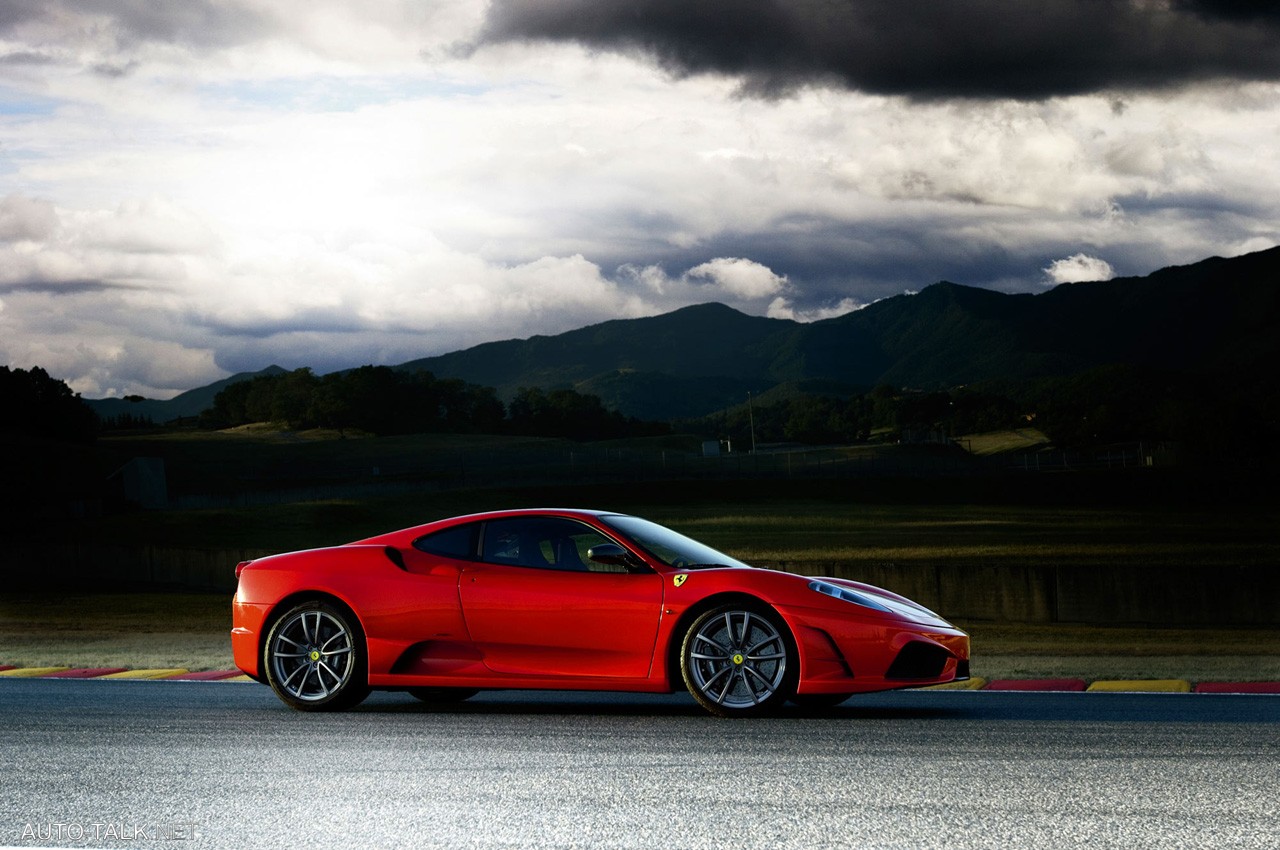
(394, 556)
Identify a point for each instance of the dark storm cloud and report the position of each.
(64, 287)
(303, 321)
(827, 260)
(26, 57)
(928, 49)
(192, 23)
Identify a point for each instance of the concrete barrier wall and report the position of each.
(1104, 595)
(1202, 597)
(995, 593)
(1208, 596)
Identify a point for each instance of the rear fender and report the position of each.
(395, 608)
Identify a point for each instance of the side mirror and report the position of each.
(611, 553)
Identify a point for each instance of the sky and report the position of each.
(195, 188)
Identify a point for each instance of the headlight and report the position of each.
(838, 592)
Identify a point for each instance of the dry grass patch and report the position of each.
(116, 630)
(1016, 651)
(999, 442)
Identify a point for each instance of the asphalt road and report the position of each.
(182, 765)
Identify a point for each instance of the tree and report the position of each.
(566, 413)
(33, 403)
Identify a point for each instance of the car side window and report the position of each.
(457, 542)
(548, 543)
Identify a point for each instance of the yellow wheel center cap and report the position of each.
(738, 659)
(315, 655)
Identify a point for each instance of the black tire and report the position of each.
(819, 700)
(739, 660)
(315, 658)
(443, 696)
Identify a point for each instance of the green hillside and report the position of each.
(1210, 320)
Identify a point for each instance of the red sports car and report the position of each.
(572, 599)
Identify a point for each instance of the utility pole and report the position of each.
(751, 415)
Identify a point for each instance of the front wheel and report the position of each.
(739, 660)
(315, 658)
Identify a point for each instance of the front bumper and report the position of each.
(841, 654)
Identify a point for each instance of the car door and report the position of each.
(535, 606)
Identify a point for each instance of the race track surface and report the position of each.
(181, 765)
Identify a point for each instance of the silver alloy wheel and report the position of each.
(311, 655)
(737, 660)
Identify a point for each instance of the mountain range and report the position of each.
(1212, 318)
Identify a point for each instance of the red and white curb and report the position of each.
(977, 683)
(169, 673)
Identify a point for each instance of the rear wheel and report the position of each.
(315, 658)
(739, 660)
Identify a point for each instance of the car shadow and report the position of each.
(590, 704)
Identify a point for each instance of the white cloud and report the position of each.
(149, 226)
(315, 182)
(107, 342)
(739, 282)
(23, 218)
(1077, 268)
(136, 365)
(739, 277)
(781, 308)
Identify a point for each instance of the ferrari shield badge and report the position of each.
(680, 579)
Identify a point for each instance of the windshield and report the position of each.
(669, 547)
